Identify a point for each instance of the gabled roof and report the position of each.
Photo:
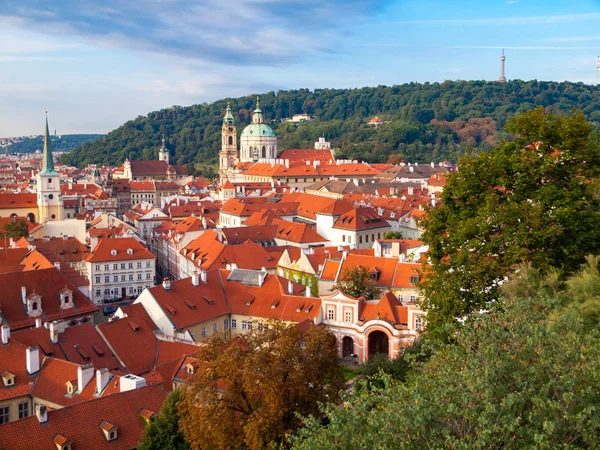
(360, 219)
(13, 360)
(83, 345)
(14, 201)
(47, 283)
(298, 233)
(132, 340)
(123, 249)
(254, 233)
(80, 424)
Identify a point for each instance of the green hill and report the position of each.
(424, 122)
(63, 143)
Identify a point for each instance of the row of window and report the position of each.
(109, 293)
(360, 238)
(246, 325)
(123, 266)
(5, 412)
(140, 277)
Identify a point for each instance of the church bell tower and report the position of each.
(228, 156)
(49, 198)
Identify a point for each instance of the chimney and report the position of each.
(290, 287)
(203, 276)
(233, 266)
(308, 293)
(23, 294)
(204, 224)
(195, 279)
(57, 265)
(84, 375)
(131, 382)
(38, 323)
(102, 379)
(53, 332)
(32, 355)
(166, 284)
(41, 412)
(5, 334)
(432, 165)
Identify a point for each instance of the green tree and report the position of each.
(534, 199)
(16, 229)
(249, 390)
(162, 432)
(508, 381)
(356, 282)
(393, 235)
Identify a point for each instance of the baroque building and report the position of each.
(258, 141)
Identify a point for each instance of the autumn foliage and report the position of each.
(249, 389)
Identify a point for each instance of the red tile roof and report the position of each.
(15, 201)
(83, 345)
(132, 341)
(46, 283)
(298, 233)
(254, 233)
(360, 219)
(80, 424)
(13, 360)
(126, 249)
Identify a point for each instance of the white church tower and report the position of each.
(49, 198)
(163, 153)
(228, 156)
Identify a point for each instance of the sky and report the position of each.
(96, 64)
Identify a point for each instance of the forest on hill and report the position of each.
(422, 122)
(63, 143)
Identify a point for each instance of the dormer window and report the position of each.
(61, 442)
(71, 386)
(66, 298)
(130, 251)
(8, 379)
(414, 280)
(113, 252)
(110, 431)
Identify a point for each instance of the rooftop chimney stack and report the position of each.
(308, 293)
(102, 379)
(203, 276)
(41, 412)
(166, 284)
(38, 323)
(32, 355)
(195, 279)
(53, 332)
(84, 375)
(23, 294)
(290, 287)
(5, 334)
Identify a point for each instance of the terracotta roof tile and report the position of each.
(126, 249)
(80, 424)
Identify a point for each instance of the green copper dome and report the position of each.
(258, 130)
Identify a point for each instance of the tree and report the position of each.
(249, 390)
(509, 381)
(163, 433)
(356, 282)
(393, 235)
(16, 228)
(530, 200)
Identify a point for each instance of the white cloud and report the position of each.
(502, 21)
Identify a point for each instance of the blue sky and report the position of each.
(97, 64)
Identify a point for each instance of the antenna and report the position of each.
(597, 68)
(502, 78)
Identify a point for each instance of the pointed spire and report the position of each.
(47, 161)
(257, 102)
(228, 119)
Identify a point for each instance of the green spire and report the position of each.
(257, 110)
(228, 119)
(47, 161)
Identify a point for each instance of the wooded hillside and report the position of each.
(424, 122)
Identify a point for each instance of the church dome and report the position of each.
(258, 130)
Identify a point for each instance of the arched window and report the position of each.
(230, 140)
(264, 152)
(31, 217)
